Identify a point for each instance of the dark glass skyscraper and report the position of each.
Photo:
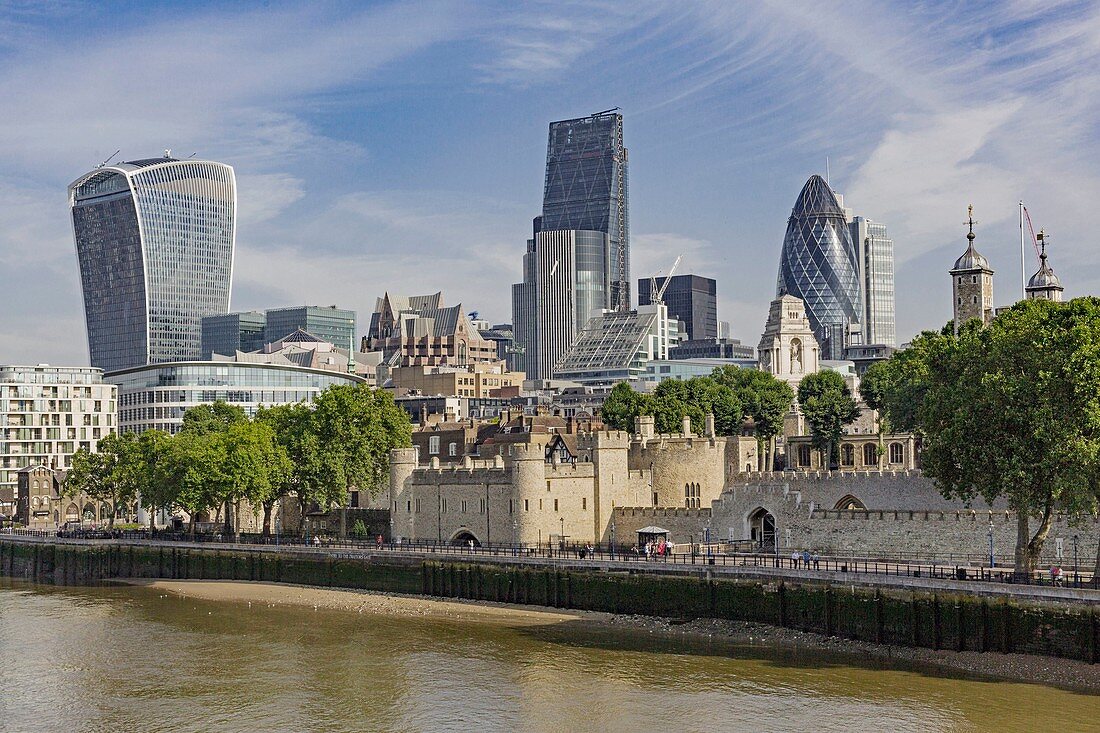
(586, 189)
(820, 265)
(154, 239)
(690, 298)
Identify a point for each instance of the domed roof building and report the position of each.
(1044, 284)
(820, 265)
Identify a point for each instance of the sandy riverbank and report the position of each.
(1064, 673)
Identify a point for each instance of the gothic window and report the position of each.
(848, 503)
(847, 455)
(897, 453)
(870, 454)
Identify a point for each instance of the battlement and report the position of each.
(759, 477)
(603, 439)
(581, 469)
(462, 474)
(662, 512)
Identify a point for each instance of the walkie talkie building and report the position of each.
(820, 265)
(154, 240)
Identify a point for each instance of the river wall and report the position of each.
(886, 616)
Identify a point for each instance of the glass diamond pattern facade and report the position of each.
(586, 189)
(820, 265)
(154, 241)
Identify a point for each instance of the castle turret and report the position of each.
(972, 283)
(1044, 284)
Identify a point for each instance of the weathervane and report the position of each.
(970, 221)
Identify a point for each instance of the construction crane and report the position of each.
(656, 294)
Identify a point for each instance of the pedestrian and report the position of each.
(378, 542)
(794, 559)
(806, 559)
(817, 561)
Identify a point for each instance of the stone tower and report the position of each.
(972, 283)
(1044, 284)
(788, 348)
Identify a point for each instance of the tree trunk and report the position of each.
(152, 521)
(268, 506)
(1096, 568)
(1035, 546)
(191, 524)
(237, 520)
(227, 528)
(1023, 535)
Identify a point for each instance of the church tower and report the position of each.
(1044, 284)
(972, 283)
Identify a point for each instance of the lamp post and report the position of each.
(992, 559)
(1076, 578)
(277, 517)
(612, 548)
(561, 537)
(706, 537)
(391, 531)
(515, 549)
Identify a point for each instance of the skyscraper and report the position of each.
(154, 239)
(335, 325)
(820, 265)
(563, 290)
(690, 298)
(586, 189)
(229, 333)
(876, 270)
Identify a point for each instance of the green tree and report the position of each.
(356, 427)
(143, 464)
(623, 405)
(253, 466)
(1014, 411)
(189, 468)
(827, 403)
(765, 399)
(106, 477)
(896, 387)
(302, 465)
(215, 417)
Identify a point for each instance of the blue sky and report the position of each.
(401, 146)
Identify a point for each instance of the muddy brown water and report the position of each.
(120, 658)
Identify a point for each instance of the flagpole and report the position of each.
(1023, 271)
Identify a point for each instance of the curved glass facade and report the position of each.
(820, 265)
(154, 241)
(157, 395)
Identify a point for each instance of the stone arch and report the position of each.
(72, 513)
(88, 512)
(849, 502)
(462, 536)
(760, 528)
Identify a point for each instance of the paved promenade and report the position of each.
(767, 568)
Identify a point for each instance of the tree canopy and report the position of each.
(1010, 411)
(730, 393)
(827, 404)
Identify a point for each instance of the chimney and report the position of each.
(710, 425)
(569, 425)
(423, 413)
(687, 427)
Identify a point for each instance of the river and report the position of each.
(122, 658)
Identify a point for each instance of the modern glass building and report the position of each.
(232, 332)
(876, 262)
(565, 287)
(47, 413)
(329, 323)
(154, 240)
(820, 265)
(586, 189)
(691, 298)
(157, 395)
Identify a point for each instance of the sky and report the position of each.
(401, 146)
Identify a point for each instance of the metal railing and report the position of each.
(717, 554)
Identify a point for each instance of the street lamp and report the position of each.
(561, 537)
(1076, 578)
(992, 559)
(612, 548)
(277, 516)
(515, 549)
(391, 531)
(706, 537)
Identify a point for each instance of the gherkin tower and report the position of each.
(820, 265)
